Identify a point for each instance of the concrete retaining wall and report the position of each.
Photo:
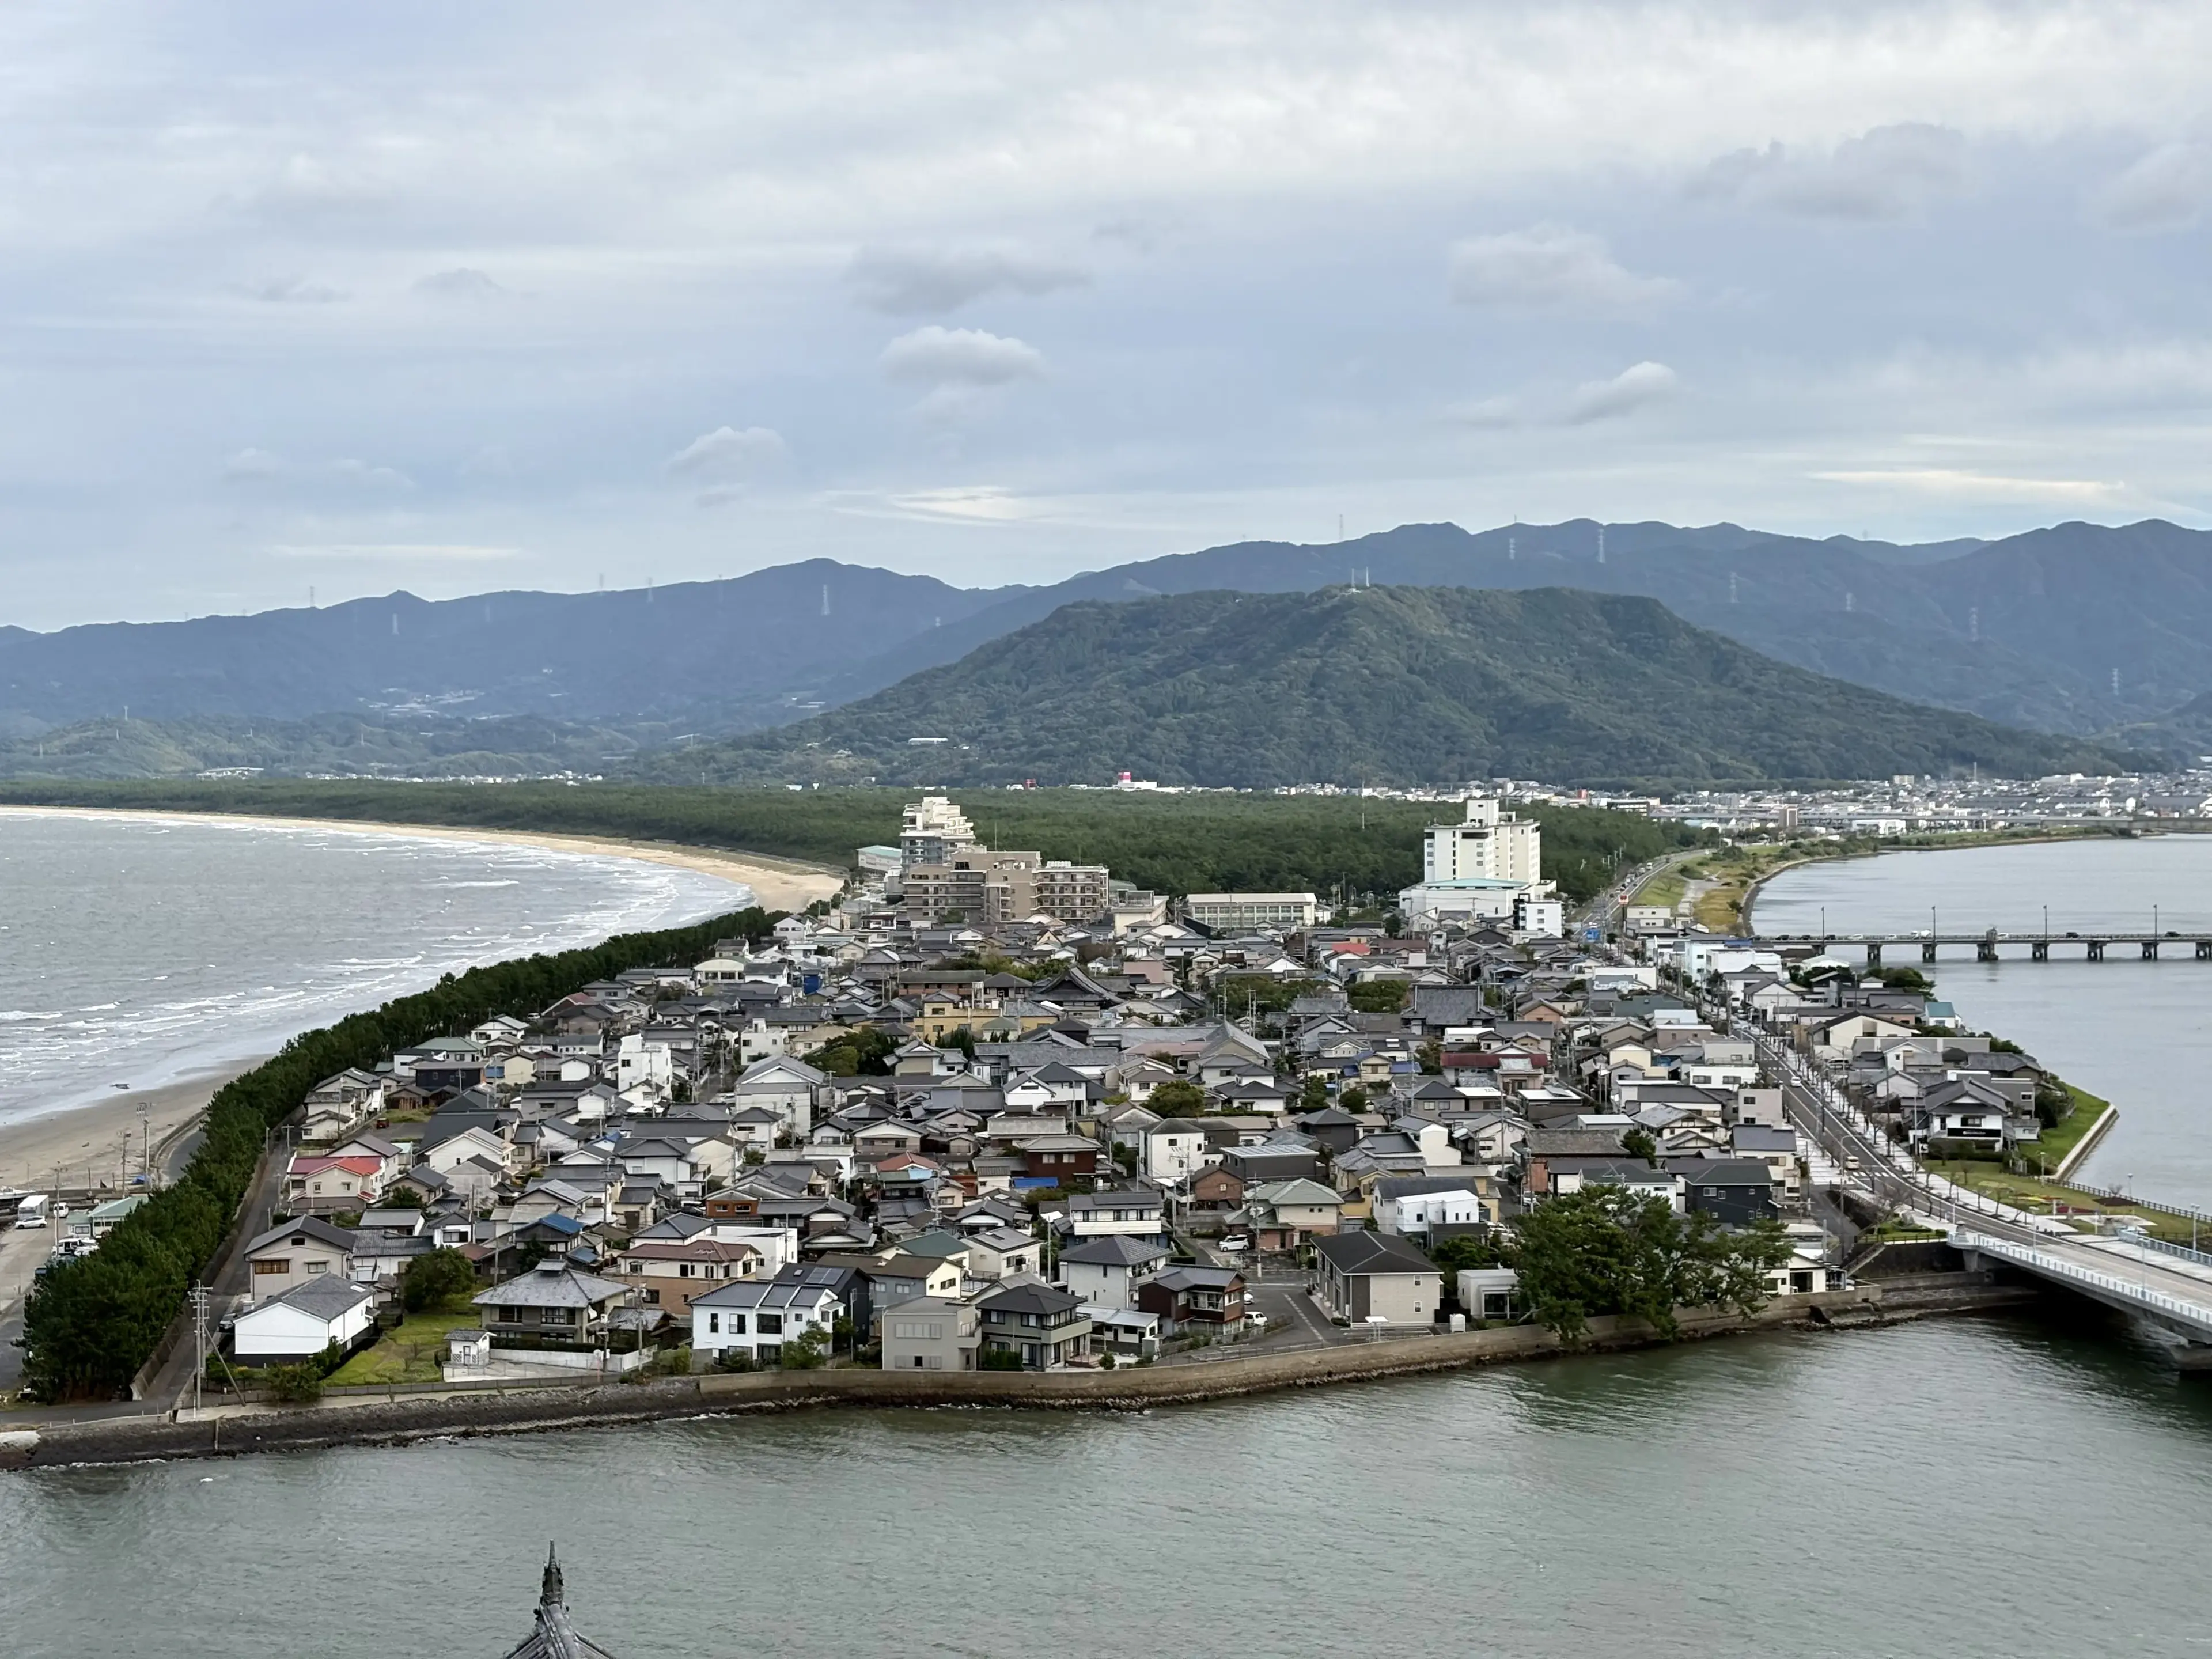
(142, 1438)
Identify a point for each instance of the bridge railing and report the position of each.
(2043, 1261)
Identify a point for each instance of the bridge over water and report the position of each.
(1989, 945)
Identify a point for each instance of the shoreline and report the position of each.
(385, 1418)
(777, 883)
(1964, 844)
(68, 1136)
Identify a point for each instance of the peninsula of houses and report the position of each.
(990, 1111)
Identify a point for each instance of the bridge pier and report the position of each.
(2150, 950)
(2040, 952)
(1874, 958)
(2204, 950)
(2193, 1359)
(1986, 949)
(2096, 950)
(1928, 951)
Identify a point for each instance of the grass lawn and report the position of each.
(2051, 1146)
(1665, 888)
(2026, 1193)
(409, 1353)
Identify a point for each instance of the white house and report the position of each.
(1174, 1149)
(1107, 1271)
(1419, 1203)
(640, 1064)
(758, 1317)
(789, 1088)
(304, 1321)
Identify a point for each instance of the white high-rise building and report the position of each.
(1486, 845)
(932, 830)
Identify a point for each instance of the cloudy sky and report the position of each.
(458, 298)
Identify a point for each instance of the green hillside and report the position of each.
(1384, 685)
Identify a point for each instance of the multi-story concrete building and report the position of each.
(931, 830)
(1271, 911)
(991, 889)
(1486, 845)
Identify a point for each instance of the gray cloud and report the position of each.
(1884, 173)
(1635, 388)
(917, 282)
(1551, 267)
(960, 356)
(459, 284)
(291, 290)
(2162, 190)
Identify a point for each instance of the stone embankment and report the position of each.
(400, 1419)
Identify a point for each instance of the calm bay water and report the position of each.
(2137, 1033)
(1963, 1488)
(138, 950)
(1969, 1487)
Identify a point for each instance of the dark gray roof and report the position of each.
(1371, 1253)
(325, 1296)
(1117, 1250)
(322, 1232)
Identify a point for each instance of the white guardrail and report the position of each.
(2027, 1255)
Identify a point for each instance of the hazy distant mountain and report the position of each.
(733, 653)
(342, 745)
(1385, 685)
(2077, 628)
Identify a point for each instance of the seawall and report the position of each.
(398, 1419)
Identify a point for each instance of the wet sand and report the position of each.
(79, 1138)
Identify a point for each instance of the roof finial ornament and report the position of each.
(549, 1592)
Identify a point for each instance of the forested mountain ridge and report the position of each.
(2075, 628)
(1378, 685)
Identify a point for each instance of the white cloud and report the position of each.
(1551, 266)
(251, 466)
(909, 281)
(1884, 173)
(1633, 388)
(370, 475)
(459, 284)
(960, 356)
(1985, 486)
(726, 453)
(2162, 190)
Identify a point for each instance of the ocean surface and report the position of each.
(2137, 1033)
(137, 951)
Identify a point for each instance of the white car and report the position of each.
(1235, 1243)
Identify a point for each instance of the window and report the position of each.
(319, 1266)
(714, 1324)
(261, 1267)
(771, 1324)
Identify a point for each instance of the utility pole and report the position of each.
(200, 1300)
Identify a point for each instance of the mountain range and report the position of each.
(1385, 685)
(2080, 629)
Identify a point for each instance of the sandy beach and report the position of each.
(777, 883)
(83, 1138)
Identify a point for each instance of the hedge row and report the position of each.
(90, 1324)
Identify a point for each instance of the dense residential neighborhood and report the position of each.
(986, 1113)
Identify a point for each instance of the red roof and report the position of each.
(306, 1164)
